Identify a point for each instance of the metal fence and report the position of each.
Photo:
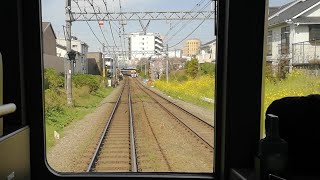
(305, 52)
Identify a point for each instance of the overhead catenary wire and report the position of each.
(115, 44)
(94, 5)
(197, 5)
(99, 25)
(188, 23)
(120, 31)
(77, 3)
(189, 34)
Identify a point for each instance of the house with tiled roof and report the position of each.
(294, 32)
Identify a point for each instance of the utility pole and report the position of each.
(103, 65)
(113, 79)
(145, 68)
(68, 43)
(141, 66)
(167, 66)
(116, 72)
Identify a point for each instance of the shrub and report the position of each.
(54, 103)
(192, 67)
(207, 69)
(92, 81)
(52, 80)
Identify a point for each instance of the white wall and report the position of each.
(175, 53)
(143, 43)
(213, 54)
(76, 45)
(81, 65)
(61, 52)
(301, 33)
(298, 34)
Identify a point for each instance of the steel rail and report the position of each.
(95, 155)
(170, 113)
(134, 162)
(179, 107)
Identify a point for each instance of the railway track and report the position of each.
(193, 124)
(115, 151)
(150, 144)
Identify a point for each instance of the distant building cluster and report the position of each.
(144, 45)
(193, 48)
(141, 46)
(55, 54)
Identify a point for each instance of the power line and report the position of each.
(122, 29)
(105, 3)
(99, 25)
(198, 4)
(90, 26)
(182, 27)
(188, 34)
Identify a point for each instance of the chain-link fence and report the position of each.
(306, 52)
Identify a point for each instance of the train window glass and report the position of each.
(115, 106)
(291, 65)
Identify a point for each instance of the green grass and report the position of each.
(56, 120)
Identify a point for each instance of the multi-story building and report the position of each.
(81, 63)
(191, 47)
(144, 45)
(207, 52)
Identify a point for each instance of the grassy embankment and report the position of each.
(188, 89)
(180, 86)
(88, 91)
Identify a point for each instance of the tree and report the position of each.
(192, 67)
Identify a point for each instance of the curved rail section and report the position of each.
(116, 149)
(198, 132)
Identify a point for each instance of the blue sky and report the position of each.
(53, 11)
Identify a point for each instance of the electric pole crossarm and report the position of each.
(133, 16)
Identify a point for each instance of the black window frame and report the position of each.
(314, 32)
(285, 40)
(269, 43)
(237, 126)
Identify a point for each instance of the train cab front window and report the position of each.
(144, 106)
(188, 105)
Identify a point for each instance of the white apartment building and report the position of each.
(81, 63)
(144, 45)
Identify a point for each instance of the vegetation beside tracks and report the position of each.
(88, 91)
